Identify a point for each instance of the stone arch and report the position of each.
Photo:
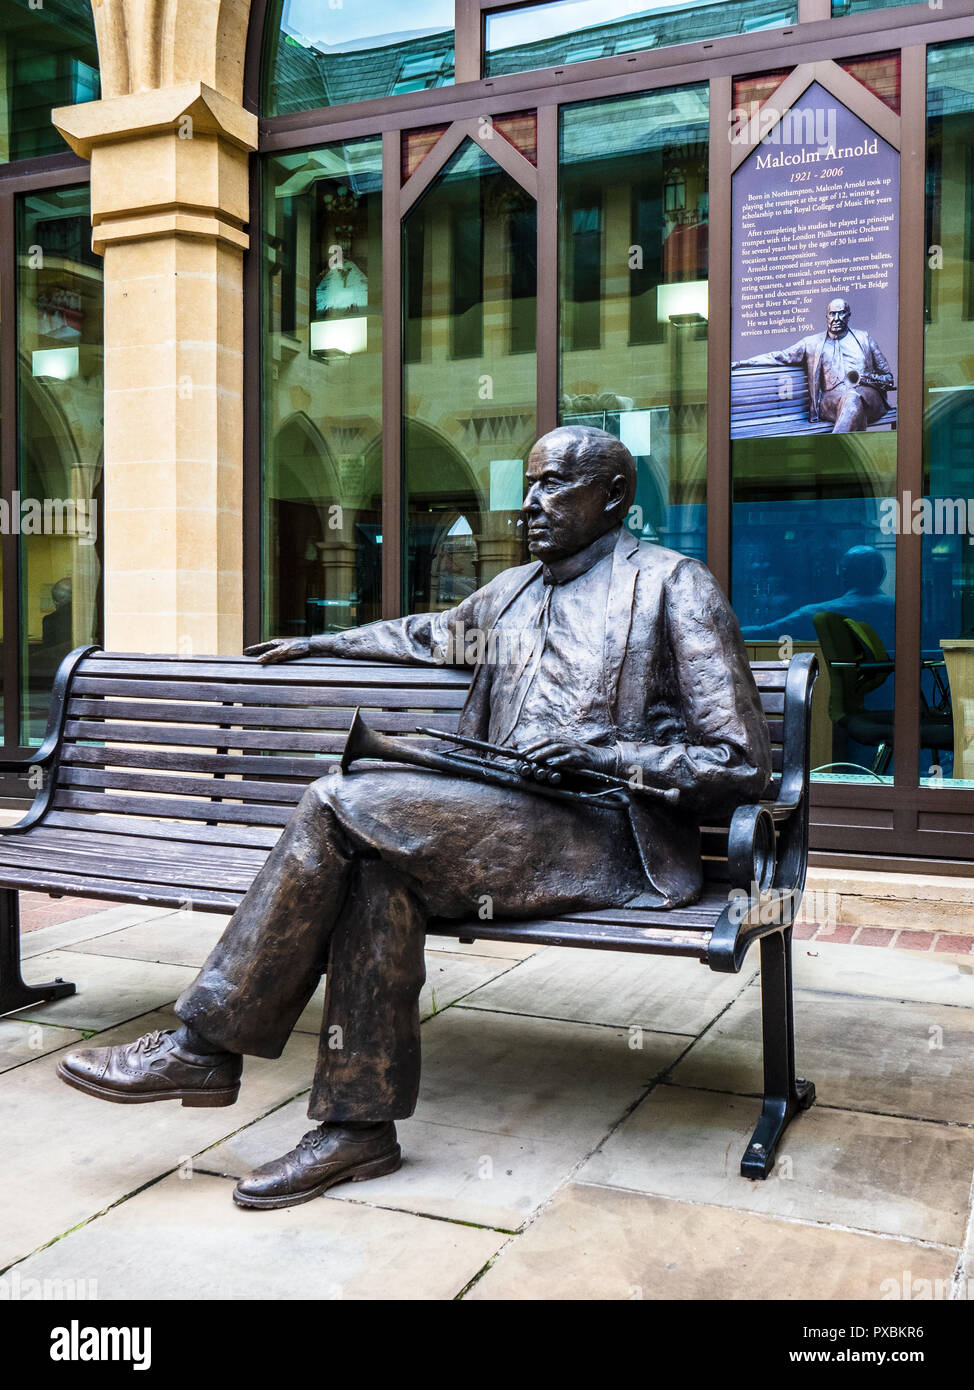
(321, 533)
(314, 445)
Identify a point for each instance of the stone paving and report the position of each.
(578, 1134)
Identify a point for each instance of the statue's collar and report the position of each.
(561, 571)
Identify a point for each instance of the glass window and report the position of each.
(58, 507)
(318, 54)
(48, 59)
(809, 552)
(574, 31)
(322, 408)
(813, 420)
(470, 377)
(945, 514)
(844, 7)
(634, 295)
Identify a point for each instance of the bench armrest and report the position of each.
(46, 755)
(38, 757)
(767, 846)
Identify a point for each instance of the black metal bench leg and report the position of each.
(784, 1092)
(14, 992)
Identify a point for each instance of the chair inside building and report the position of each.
(858, 664)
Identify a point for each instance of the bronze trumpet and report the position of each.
(525, 775)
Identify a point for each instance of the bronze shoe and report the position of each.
(325, 1156)
(153, 1067)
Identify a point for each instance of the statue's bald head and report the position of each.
(581, 483)
(595, 455)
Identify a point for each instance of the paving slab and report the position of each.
(448, 978)
(110, 988)
(24, 1042)
(614, 987)
(872, 1172)
(178, 939)
(451, 977)
(185, 1238)
(507, 1107)
(67, 1156)
(595, 1243)
(883, 974)
(534, 1078)
(459, 1174)
(892, 1057)
(70, 933)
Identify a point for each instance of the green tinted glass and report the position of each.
(49, 59)
(58, 508)
(322, 401)
(573, 31)
(469, 377)
(633, 255)
(319, 54)
(844, 7)
(945, 515)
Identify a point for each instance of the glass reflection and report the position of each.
(47, 58)
(945, 515)
(322, 412)
(58, 508)
(328, 54)
(469, 378)
(573, 31)
(633, 254)
(814, 569)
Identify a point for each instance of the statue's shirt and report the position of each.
(549, 681)
(839, 357)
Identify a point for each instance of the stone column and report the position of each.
(170, 200)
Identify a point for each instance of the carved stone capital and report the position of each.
(169, 162)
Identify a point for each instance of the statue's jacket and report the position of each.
(686, 709)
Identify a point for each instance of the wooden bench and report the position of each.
(166, 781)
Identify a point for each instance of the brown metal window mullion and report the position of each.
(392, 418)
(909, 432)
(253, 444)
(468, 33)
(8, 467)
(718, 336)
(548, 305)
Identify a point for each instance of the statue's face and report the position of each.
(838, 318)
(564, 510)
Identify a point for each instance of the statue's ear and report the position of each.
(615, 493)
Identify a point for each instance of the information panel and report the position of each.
(815, 276)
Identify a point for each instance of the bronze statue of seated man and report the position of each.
(635, 667)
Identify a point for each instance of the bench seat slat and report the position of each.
(652, 939)
(115, 890)
(699, 916)
(97, 866)
(94, 840)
